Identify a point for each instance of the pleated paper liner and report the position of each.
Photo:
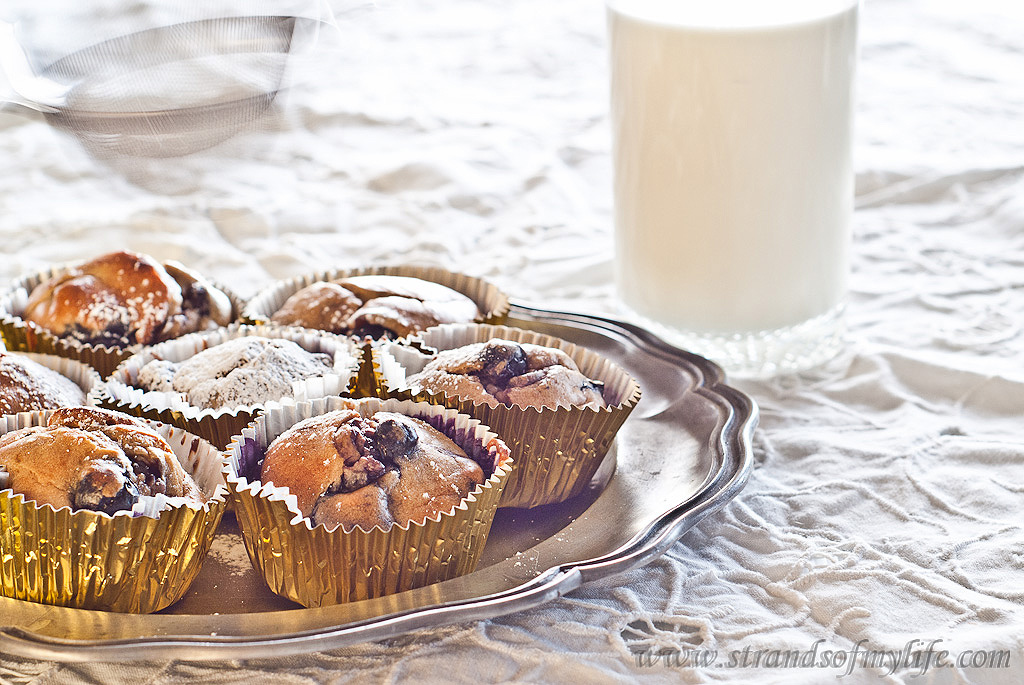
(121, 393)
(492, 302)
(557, 450)
(26, 336)
(315, 566)
(80, 373)
(124, 563)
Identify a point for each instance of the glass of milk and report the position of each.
(733, 182)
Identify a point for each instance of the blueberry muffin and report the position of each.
(125, 298)
(510, 373)
(375, 306)
(376, 471)
(239, 371)
(88, 458)
(344, 500)
(26, 385)
(557, 404)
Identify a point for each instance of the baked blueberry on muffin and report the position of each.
(88, 458)
(375, 306)
(26, 385)
(377, 471)
(123, 299)
(239, 371)
(510, 373)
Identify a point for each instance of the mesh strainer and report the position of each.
(165, 91)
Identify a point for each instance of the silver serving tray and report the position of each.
(683, 453)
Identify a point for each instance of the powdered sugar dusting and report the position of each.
(248, 370)
(27, 386)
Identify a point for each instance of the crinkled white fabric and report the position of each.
(886, 500)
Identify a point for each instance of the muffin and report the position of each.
(27, 385)
(90, 458)
(341, 500)
(375, 306)
(246, 370)
(102, 311)
(557, 405)
(126, 298)
(103, 511)
(348, 470)
(213, 383)
(506, 372)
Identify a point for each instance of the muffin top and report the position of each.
(125, 298)
(239, 371)
(375, 306)
(89, 458)
(506, 372)
(26, 385)
(381, 470)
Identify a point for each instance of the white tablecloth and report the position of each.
(886, 501)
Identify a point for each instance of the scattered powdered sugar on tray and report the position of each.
(230, 553)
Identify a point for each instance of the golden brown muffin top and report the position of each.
(375, 306)
(126, 298)
(90, 458)
(348, 470)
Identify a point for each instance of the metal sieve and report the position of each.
(161, 92)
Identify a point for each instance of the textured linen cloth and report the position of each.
(886, 500)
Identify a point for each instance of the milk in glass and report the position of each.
(733, 182)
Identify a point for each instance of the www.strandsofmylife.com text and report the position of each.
(917, 655)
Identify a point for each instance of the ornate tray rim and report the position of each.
(721, 486)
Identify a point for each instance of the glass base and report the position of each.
(763, 353)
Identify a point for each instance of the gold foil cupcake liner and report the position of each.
(492, 302)
(124, 563)
(557, 450)
(315, 566)
(21, 335)
(121, 392)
